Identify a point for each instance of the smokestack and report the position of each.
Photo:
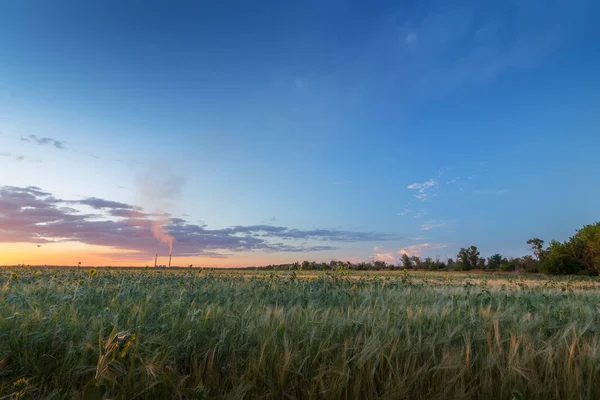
(170, 254)
(155, 260)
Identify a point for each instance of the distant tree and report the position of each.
(438, 264)
(428, 263)
(416, 261)
(463, 259)
(481, 263)
(537, 248)
(529, 264)
(495, 261)
(468, 258)
(361, 266)
(450, 263)
(509, 265)
(406, 261)
(379, 265)
(473, 256)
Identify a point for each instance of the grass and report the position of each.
(77, 333)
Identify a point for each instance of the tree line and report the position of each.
(578, 255)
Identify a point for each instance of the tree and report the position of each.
(559, 260)
(468, 258)
(416, 261)
(438, 264)
(473, 256)
(481, 263)
(463, 259)
(510, 264)
(495, 261)
(451, 264)
(406, 261)
(589, 238)
(529, 264)
(537, 248)
(428, 263)
(578, 249)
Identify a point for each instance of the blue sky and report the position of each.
(420, 126)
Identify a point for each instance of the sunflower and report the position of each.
(20, 383)
(93, 272)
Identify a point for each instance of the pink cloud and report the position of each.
(418, 249)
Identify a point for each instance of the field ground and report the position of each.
(187, 333)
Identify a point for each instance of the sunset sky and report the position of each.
(275, 131)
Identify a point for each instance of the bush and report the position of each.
(561, 264)
(560, 260)
(507, 267)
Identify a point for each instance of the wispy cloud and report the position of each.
(419, 249)
(44, 141)
(424, 189)
(421, 213)
(433, 224)
(31, 215)
(12, 156)
(19, 158)
(414, 214)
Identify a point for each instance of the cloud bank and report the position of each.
(31, 215)
(418, 249)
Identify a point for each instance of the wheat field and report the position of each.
(198, 334)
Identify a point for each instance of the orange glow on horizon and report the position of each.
(70, 254)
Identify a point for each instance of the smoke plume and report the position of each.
(158, 191)
(161, 233)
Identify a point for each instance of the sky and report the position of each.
(254, 133)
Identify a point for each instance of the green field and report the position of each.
(159, 334)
